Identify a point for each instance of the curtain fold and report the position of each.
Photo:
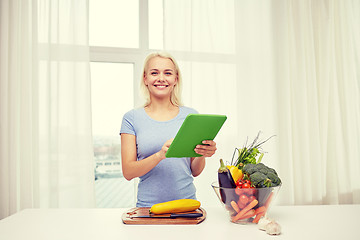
(46, 156)
(227, 69)
(320, 104)
(289, 68)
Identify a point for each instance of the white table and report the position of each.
(297, 222)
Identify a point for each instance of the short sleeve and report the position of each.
(127, 125)
(189, 110)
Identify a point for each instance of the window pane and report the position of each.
(109, 103)
(114, 23)
(198, 27)
(156, 24)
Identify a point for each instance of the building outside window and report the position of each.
(121, 33)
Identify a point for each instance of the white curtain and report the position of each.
(289, 68)
(318, 71)
(46, 157)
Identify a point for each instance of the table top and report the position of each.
(297, 222)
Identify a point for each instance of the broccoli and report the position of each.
(257, 177)
(261, 175)
(251, 168)
(275, 180)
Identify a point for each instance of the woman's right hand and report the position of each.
(164, 148)
(132, 168)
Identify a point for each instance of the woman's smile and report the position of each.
(160, 77)
(161, 86)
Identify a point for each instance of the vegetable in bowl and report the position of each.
(249, 154)
(246, 207)
(261, 175)
(246, 187)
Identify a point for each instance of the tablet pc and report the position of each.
(195, 129)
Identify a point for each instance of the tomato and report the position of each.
(251, 198)
(252, 191)
(241, 205)
(243, 199)
(248, 190)
(239, 183)
(244, 186)
(238, 190)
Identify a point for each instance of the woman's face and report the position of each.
(160, 77)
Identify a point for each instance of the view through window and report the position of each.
(120, 35)
(110, 100)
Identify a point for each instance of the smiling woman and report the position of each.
(147, 132)
(162, 70)
(160, 77)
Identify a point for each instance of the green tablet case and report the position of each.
(195, 129)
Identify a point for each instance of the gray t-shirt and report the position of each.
(171, 179)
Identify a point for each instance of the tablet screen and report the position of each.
(195, 129)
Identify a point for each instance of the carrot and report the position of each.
(260, 210)
(248, 207)
(248, 214)
(258, 216)
(235, 206)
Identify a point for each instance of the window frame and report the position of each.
(133, 56)
(136, 56)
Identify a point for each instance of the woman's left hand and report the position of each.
(207, 149)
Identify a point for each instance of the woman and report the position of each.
(147, 132)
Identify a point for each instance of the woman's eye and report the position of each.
(168, 73)
(153, 73)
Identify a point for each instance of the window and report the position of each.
(110, 100)
(156, 29)
(120, 35)
(111, 20)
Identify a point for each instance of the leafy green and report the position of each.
(249, 154)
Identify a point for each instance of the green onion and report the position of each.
(248, 154)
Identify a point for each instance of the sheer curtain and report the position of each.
(46, 157)
(224, 52)
(318, 71)
(289, 68)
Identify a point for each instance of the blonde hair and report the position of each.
(175, 97)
